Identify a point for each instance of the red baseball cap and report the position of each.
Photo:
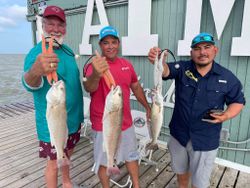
(54, 11)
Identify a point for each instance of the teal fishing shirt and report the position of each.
(69, 73)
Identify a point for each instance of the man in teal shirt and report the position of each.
(37, 65)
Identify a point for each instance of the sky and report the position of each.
(15, 30)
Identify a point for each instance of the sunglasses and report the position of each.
(206, 38)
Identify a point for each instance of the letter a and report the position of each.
(85, 48)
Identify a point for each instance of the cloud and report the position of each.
(14, 11)
(12, 16)
(6, 21)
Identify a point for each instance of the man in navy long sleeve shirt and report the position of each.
(201, 85)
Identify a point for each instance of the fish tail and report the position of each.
(113, 170)
(152, 146)
(63, 162)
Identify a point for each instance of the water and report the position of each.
(11, 88)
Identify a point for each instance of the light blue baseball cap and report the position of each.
(202, 37)
(108, 31)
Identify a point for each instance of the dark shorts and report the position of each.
(47, 151)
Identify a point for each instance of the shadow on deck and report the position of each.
(21, 166)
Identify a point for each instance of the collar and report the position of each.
(116, 59)
(216, 68)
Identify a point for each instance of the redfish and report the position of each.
(56, 115)
(112, 123)
(157, 103)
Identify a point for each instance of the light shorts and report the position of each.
(198, 163)
(127, 149)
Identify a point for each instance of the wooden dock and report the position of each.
(20, 165)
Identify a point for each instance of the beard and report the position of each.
(201, 65)
(57, 36)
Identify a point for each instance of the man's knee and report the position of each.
(52, 165)
(132, 166)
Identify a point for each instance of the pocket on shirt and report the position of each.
(216, 95)
(188, 88)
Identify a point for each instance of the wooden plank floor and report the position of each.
(21, 167)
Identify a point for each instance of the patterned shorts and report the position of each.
(47, 151)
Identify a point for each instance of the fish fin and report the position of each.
(114, 170)
(63, 162)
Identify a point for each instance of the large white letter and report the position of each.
(192, 26)
(240, 45)
(85, 48)
(139, 40)
(221, 10)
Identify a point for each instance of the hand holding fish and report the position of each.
(157, 102)
(99, 64)
(51, 76)
(100, 68)
(153, 52)
(104, 70)
(46, 63)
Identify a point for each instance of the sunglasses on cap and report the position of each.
(202, 38)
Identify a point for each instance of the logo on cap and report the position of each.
(108, 31)
(56, 9)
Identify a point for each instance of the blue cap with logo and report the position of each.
(108, 31)
(202, 37)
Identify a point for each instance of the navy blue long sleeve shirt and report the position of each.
(194, 96)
